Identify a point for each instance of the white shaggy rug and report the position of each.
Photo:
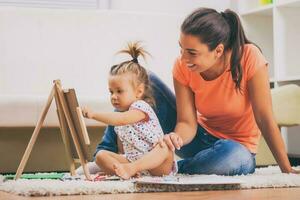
(269, 177)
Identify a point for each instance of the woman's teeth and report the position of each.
(190, 65)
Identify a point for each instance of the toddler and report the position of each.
(141, 148)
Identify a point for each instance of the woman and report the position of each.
(223, 100)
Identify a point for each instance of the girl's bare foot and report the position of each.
(125, 171)
(137, 175)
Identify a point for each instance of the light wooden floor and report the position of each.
(255, 194)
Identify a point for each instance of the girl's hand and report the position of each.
(87, 112)
(173, 141)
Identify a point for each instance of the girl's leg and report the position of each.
(158, 161)
(165, 168)
(106, 160)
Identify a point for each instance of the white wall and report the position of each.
(162, 6)
(168, 6)
(78, 46)
(81, 4)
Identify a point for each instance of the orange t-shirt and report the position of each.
(221, 109)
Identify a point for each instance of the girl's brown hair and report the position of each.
(134, 49)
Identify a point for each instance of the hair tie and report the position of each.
(135, 60)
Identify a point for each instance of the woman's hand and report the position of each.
(295, 171)
(172, 140)
(87, 112)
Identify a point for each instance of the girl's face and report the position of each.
(197, 55)
(122, 91)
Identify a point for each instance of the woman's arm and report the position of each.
(260, 97)
(186, 126)
(115, 118)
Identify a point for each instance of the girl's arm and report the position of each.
(260, 97)
(186, 126)
(115, 118)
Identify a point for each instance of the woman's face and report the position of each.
(197, 55)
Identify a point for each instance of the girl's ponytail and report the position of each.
(135, 50)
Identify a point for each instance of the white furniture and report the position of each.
(275, 28)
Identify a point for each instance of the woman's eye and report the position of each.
(192, 54)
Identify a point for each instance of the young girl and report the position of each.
(136, 124)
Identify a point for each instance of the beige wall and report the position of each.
(48, 153)
(264, 155)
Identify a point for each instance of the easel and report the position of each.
(72, 128)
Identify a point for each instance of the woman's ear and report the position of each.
(140, 90)
(219, 50)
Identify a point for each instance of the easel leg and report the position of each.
(63, 130)
(86, 170)
(34, 135)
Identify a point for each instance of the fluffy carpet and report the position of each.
(269, 177)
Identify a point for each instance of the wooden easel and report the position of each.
(72, 127)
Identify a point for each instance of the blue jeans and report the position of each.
(205, 154)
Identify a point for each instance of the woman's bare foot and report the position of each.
(125, 171)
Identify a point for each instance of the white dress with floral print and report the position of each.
(139, 138)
